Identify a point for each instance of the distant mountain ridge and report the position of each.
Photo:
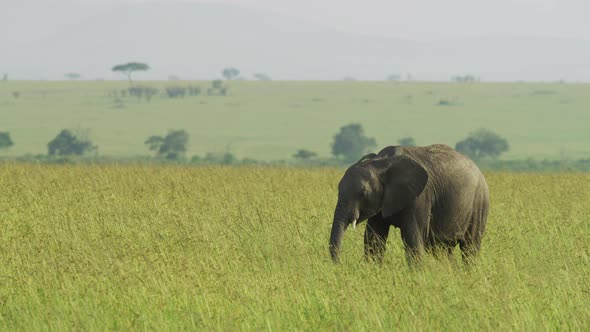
(195, 41)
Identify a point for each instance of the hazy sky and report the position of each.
(436, 19)
(411, 19)
(63, 30)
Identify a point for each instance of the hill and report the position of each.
(195, 41)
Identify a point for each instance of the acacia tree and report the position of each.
(129, 68)
(230, 73)
(483, 143)
(351, 142)
(172, 146)
(67, 143)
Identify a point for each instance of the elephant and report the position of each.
(436, 196)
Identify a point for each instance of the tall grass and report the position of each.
(169, 248)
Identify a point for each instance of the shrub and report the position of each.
(229, 159)
(304, 154)
(226, 158)
(5, 140)
(447, 102)
(407, 141)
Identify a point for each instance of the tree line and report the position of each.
(348, 145)
(351, 142)
(231, 73)
(127, 69)
(481, 145)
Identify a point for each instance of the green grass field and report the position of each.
(272, 120)
(179, 248)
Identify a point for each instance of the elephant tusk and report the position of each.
(354, 224)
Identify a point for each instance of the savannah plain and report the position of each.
(146, 247)
(271, 120)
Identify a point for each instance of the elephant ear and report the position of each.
(403, 179)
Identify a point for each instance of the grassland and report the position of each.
(271, 120)
(178, 248)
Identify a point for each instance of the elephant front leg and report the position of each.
(375, 238)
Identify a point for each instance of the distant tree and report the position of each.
(67, 143)
(142, 91)
(5, 77)
(445, 102)
(213, 158)
(406, 141)
(394, 77)
(129, 68)
(5, 140)
(483, 143)
(305, 154)
(464, 79)
(72, 76)
(217, 88)
(196, 159)
(176, 91)
(217, 84)
(172, 146)
(348, 78)
(193, 90)
(226, 158)
(230, 73)
(351, 142)
(229, 159)
(262, 77)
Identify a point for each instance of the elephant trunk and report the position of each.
(343, 216)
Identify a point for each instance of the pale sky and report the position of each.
(437, 19)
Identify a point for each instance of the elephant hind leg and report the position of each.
(444, 251)
(438, 250)
(375, 238)
(471, 244)
(469, 251)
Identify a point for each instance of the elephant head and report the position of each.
(375, 184)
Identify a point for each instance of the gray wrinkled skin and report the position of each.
(435, 195)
